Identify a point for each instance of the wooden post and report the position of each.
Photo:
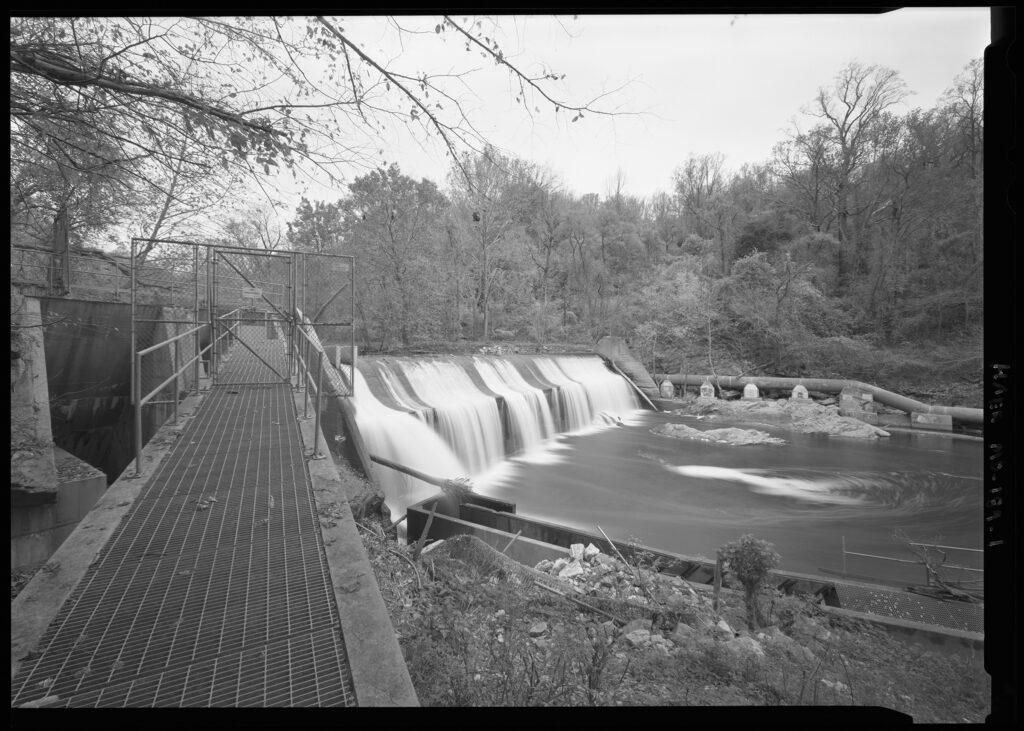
(509, 544)
(426, 530)
(718, 584)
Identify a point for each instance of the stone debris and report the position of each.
(638, 637)
(576, 551)
(723, 629)
(682, 633)
(680, 619)
(573, 569)
(746, 647)
(636, 624)
(836, 685)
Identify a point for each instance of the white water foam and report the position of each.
(818, 491)
(404, 439)
(461, 425)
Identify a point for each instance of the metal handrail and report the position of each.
(140, 400)
(308, 377)
(159, 345)
(919, 562)
(951, 548)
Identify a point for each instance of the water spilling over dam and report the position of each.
(538, 431)
(462, 416)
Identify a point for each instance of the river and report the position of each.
(805, 497)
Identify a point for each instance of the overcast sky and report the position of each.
(685, 83)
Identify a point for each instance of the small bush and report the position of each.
(750, 560)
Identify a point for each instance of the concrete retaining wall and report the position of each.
(37, 531)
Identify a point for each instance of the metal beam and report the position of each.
(276, 308)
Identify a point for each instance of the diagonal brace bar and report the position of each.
(249, 282)
(260, 359)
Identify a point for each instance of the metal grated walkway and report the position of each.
(214, 590)
(914, 607)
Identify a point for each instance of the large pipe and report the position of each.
(962, 414)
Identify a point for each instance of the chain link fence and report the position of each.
(80, 274)
(326, 296)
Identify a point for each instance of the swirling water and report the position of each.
(806, 497)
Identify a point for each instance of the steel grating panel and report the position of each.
(214, 589)
(913, 607)
(241, 366)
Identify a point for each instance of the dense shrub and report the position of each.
(750, 560)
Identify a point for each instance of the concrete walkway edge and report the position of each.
(379, 673)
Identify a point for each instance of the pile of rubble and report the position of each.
(679, 616)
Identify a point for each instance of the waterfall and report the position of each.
(402, 438)
(465, 415)
(572, 400)
(529, 414)
(607, 392)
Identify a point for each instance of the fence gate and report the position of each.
(252, 310)
(205, 315)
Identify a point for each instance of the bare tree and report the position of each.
(852, 110)
(150, 102)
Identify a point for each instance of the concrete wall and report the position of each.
(88, 372)
(37, 531)
(33, 474)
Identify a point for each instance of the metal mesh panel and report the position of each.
(913, 607)
(170, 290)
(168, 275)
(31, 268)
(325, 296)
(252, 301)
(92, 275)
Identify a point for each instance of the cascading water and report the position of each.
(466, 418)
(528, 409)
(607, 392)
(574, 407)
(397, 391)
(402, 438)
(467, 437)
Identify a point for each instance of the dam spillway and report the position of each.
(463, 415)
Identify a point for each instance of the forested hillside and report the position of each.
(855, 251)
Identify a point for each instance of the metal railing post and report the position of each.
(352, 326)
(136, 388)
(214, 342)
(306, 375)
(319, 386)
(195, 315)
(293, 330)
(177, 377)
(137, 398)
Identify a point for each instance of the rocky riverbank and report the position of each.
(477, 629)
